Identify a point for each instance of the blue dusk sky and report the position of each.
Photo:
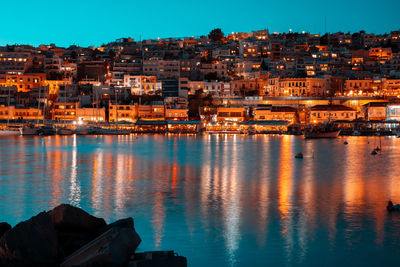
(90, 22)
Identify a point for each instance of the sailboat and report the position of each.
(31, 129)
(8, 130)
(64, 130)
(115, 131)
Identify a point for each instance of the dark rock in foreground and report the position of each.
(32, 242)
(70, 236)
(75, 228)
(4, 227)
(67, 217)
(113, 248)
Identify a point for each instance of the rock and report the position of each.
(122, 223)
(70, 241)
(32, 242)
(75, 228)
(67, 217)
(157, 258)
(112, 248)
(4, 227)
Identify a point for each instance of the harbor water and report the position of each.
(220, 200)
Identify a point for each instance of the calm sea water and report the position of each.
(220, 200)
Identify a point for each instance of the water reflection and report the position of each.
(226, 199)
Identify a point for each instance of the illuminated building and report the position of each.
(91, 114)
(126, 113)
(374, 111)
(24, 82)
(176, 114)
(324, 113)
(140, 84)
(20, 113)
(236, 114)
(153, 111)
(64, 111)
(393, 112)
(275, 113)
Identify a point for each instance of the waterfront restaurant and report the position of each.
(184, 126)
(271, 126)
(150, 126)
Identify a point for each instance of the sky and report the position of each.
(92, 23)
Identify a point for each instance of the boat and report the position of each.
(9, 131)
(64, 131)
(29, 129)
(326, 130)
(299, 156)
(83, 131)
(46, 130)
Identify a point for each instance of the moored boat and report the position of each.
(65, 131)
(29, 129)
(9, 131)
(46, 130)
(326, 130)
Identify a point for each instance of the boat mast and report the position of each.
(8, 117)
(116, 108)
(38, 100)
(65, 103)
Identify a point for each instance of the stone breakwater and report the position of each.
(69, 236)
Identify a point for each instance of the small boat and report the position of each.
(374, 152)
(299, 156)
(390, 207)
(345, 143)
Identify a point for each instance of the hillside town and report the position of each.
(263, 82)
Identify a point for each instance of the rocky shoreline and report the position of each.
(68, 236)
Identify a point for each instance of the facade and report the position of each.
(24, 82)
(393, 112)
(232, 114)
(91, 114)
(66, 111)
(13, 113)
(140, 84)
(374, 111)
(324, 113)
(127, 113)
(176, 114)
(153, 111)
(275, 113)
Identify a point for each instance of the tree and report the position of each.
(216, 35)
